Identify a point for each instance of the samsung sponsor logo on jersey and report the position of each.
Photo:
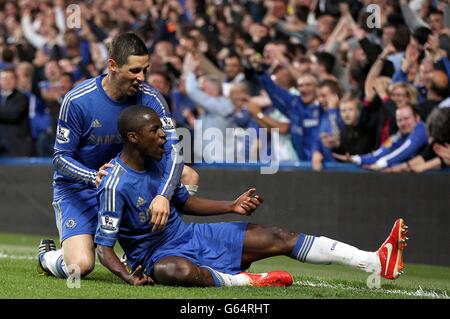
(310, 122)
(109, 224)
(105, 139)
(62, 135)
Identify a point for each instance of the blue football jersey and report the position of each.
(123, 199)
(305, 118)
(87, 136)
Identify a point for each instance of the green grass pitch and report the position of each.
(18, 279)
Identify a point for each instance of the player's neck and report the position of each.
(133, 160)
(111, 89)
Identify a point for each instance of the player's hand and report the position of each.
(247, 202)
(102, 173)
(342, 158)
(138, 279)
(145, 280)
(372, 167)
(443, 151)
(159, 210)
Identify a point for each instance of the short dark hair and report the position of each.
(8, 55)
(333, 86)
(9, 69)
(301, 12)
(434, 10)
(421, 34)
(400, 40)
(438, 125)
(69, 75)
(131, 119)
(439, 87)
(124, 45)
(327, 60)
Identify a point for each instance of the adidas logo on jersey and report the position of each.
(96, 124)
(140, 201)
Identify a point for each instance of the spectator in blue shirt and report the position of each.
(400, 147)
(330, 122)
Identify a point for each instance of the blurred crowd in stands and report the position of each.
(341, 80)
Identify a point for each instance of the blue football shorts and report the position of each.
(216, 245)
(76, 213)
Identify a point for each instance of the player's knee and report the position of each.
(173, 272)
(83, 266)
(282, 238)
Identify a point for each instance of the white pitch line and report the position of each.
(17, 257)
(6, 256)
(417, 293)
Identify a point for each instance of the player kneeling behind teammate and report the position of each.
(214, 254)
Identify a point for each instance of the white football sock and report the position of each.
(323, 250)
(53, 262)
(228, 280)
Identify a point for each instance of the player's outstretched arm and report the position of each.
(245, 204)
(109, 259)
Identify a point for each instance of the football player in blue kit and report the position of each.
(86, 139)
(210, 254)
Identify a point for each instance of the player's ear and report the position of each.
(132, 137)
(112, 65)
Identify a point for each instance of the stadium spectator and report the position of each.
(330, 122)
(404, 145)
(303, 111)
(208, 255)
(434, 156)
(437, 92)
(206, 92)
(49, 88)
(15, 135)
(233, 73)
(301, 37)
(40, 117)
(184, 109)
(352, 139)
(246, 132)
(160, 81)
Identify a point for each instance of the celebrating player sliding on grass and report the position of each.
(203, 254)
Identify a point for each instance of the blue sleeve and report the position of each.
(280, 98)
(399, 76)
(180, 196)
(110, 209)
(68, 132)
(371, 158)
(408, 149)
(174, 162)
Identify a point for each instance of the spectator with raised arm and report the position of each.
(303, 111)
(217, 110)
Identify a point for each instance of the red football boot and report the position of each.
(276, 278)
(391, 252)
